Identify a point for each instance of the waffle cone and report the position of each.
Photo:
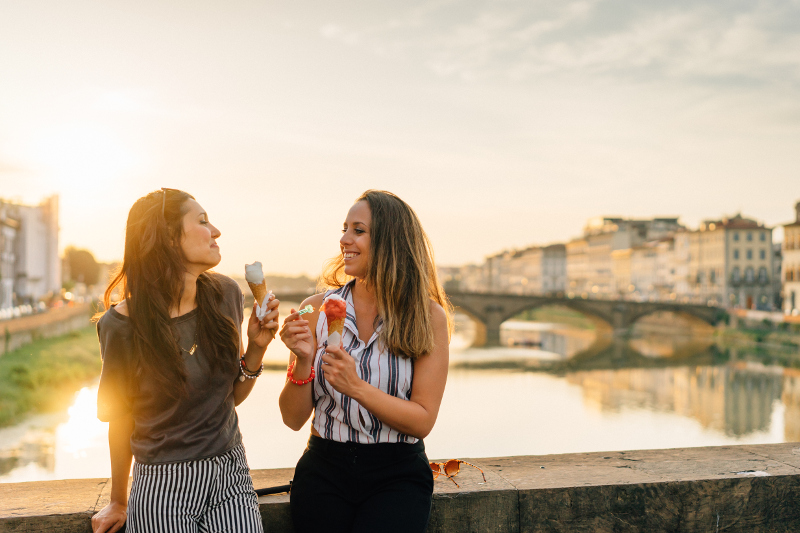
(259, 291)
(336, 326)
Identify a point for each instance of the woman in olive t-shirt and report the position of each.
(173, 371)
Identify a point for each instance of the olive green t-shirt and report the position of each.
(203, 422)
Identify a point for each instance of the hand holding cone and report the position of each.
(335, 309)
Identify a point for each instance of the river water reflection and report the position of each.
(553, 389)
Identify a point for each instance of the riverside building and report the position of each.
(533, 270)
(791, 265)
(728, 262)
(590, 263)
(30, 268)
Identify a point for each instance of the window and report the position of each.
(749, 275)
(749, 254)
(762, 275)
(763, 236)
(762, 254)
(736, 275)
(749, 235)
(736, 254)
(735, 235)
(712, 276)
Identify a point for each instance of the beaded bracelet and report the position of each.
(290, 375)
(247, 373)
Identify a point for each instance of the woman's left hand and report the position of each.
(261, 332)
(340, 370)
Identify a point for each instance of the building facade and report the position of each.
(791, 265)
(554, 269)
(578, 282)
(30, 267)
(729, 263)
(591, 266)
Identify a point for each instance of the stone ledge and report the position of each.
(728, 488)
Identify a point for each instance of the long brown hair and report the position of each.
(151, 280)
(402, 274)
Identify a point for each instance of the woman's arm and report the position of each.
(259, 334)
(113, 516)
(299, 335)
(415, 417)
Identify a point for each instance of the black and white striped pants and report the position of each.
(211, 495)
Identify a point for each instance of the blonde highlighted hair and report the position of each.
(401, 273)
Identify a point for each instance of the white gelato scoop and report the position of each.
(253, 273)
(255, 279)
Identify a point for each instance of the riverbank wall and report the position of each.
(751, 489)
(18, 332)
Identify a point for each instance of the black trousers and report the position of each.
(349, 487)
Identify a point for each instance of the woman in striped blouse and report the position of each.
(375, 396)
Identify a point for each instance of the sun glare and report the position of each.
(82, 154)
(83, 430)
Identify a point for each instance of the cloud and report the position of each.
(701, 41)
(337, 33)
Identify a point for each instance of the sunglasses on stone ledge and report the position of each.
(450, 469)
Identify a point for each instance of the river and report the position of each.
(552, 389)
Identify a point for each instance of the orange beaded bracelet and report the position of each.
(290, 375)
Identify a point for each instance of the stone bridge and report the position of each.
(490, 310)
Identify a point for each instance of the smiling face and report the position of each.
(199, 240)
(355, 240)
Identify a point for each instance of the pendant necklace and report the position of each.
(191, 350)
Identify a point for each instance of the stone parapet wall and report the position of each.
(750, 489)
(18, 332)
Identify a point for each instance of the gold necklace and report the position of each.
(191, 350)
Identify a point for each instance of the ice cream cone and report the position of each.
(258, 285)
(259, 291)
(335, 309)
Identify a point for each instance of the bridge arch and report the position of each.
(689, 314)
(490, 310)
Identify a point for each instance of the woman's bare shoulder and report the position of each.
(438, 314)
(122, 308)
(314, 301)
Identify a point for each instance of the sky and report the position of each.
(503, 123)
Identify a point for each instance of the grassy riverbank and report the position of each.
(43, 376)
(557, 315)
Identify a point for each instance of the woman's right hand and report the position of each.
(110, 518)
(296, 335)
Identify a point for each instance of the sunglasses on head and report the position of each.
(164, 197)
(450, 469)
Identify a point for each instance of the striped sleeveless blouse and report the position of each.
(340, 418)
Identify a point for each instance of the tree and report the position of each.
(82, 266)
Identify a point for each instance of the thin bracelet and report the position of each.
(249, 374)
(290, 375)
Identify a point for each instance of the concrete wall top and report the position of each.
(40, 320)
(730, 488)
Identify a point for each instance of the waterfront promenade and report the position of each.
(751, 489)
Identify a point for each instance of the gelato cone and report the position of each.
(259, 291)
(255, 279)
(335, 309)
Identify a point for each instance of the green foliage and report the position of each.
(82, 266)
(43, 375)
(557, 315)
